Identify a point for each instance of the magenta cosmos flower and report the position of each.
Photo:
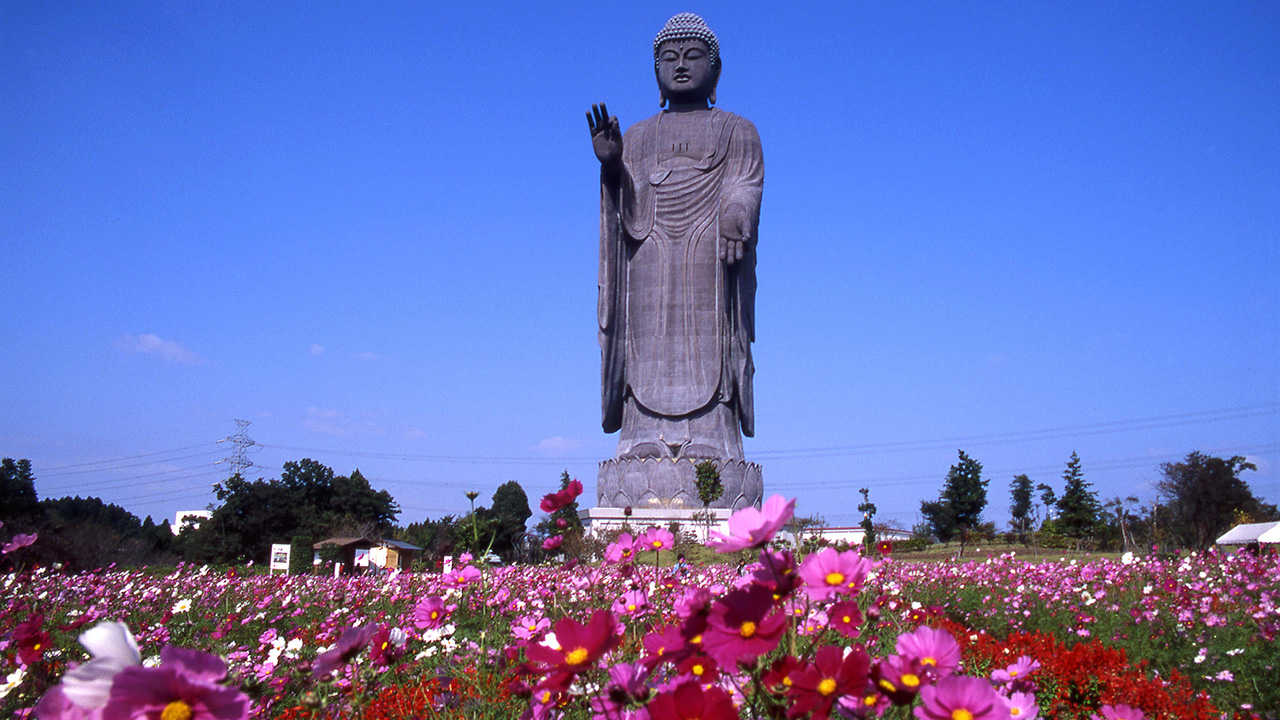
(936, 650)
(553, 543)
(620, 550)
(752, 528)
(18, 542)
(743, 626)
(430, 613)
(185, 686)
(1022, 706)
(830, 572)
(632, 602)
(833, 674)
(690, 701)
(580, 646)
(957, 697)
(351, 642)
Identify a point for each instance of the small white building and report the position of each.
(1267, 533)
(194, 517)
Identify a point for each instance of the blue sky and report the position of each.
(1022, 229)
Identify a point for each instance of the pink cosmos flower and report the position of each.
(959, 696)
(621, 550)
(553, 543)
(830, 572)
(1119, 712)
(632, 602)
(656, 538)
(461, 577)
(530, 627)
(185, 685)
(430, 613)
(387, 646)
(1015, 677)
(752, 528)
(1021, 706)
(18, 542)
(552, 502)
(936, 651)
(352, 641)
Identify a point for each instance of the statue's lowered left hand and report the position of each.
(735, 233)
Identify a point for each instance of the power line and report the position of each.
(46, 471)
(44, 474)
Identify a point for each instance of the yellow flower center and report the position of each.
(626, 553)
(36, 647)
(577, 657)
(961, 714)
(697, 640)
(631, 607)
(435, 614)
(177, 710)
(827, 686)
(910, 680)
(847, 619)
(888, 686)
(869, 700)
(1013, 673)
(657, 543)
(929, 661)
(835, 578)
(747, 629)
(697, 670)
(546, 696)
(787, 681)
(1015, 711)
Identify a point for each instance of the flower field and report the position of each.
(831, 634)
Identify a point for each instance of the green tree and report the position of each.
(1079, 513)
(958, 510)
(1020, 506)
(19, 505)
(1203, 493)
(868, 510)
(710, 489)
(510, 512)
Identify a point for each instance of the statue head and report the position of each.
(686, 57)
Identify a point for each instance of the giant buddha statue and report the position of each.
(679, 210)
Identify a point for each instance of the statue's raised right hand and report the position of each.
(606, 135)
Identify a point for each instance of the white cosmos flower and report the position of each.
(113, 649)
(182, 605)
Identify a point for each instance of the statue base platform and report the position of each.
(671, 483)
(604, 521)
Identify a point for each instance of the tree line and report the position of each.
(1198, 499)
(308, 503)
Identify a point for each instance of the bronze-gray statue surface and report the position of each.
(679, 212)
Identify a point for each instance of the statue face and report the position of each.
(685, 72)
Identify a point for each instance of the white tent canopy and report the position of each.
(1264, 533)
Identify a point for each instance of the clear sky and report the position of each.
(1020, 229)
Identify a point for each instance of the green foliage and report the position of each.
(710, 489)
(1078, 509)
(301, 555)
(960, 505)
(1020, 507)
(1204, 494)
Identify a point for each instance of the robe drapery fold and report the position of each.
(676, 323)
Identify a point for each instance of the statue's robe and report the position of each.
(676, 322)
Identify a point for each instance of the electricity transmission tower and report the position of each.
(239, 458)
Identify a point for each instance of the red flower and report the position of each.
(690, 701)
(32, 639)
(556, 500)
(845, 617)
(743, 626)
(580, 647)
(831, 676)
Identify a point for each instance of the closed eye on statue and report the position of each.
(669, 56)
(694, 53)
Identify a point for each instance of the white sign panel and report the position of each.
(280, 557)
